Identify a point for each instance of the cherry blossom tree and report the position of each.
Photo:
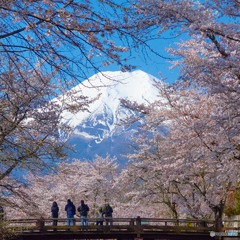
(209, 56)
(189, 141)
(183, 158)
(46, 48)
(97, 183)
(30, 125)
(93, 182)
(63, 35)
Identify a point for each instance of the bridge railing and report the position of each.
(231, 226)
(134, 225)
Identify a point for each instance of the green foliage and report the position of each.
(189, 224)
(233, 204)
(8, 232)
(237, 196)
(230, 211)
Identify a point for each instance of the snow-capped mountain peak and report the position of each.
(135, 86)
(100, 126)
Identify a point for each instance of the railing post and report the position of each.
(138, 224)
(203, 224)
(40, 224)
(177, 222)
(107, 225)
(218, 225)
(131, 223)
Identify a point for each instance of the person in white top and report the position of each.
(100, 217)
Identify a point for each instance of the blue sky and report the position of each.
(152, 63)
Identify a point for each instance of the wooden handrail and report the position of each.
(125, 219)
(138, 222)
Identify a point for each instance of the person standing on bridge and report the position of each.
(108, 213)
(2, 213)
(100, 217)
(55, 211)
(71, 211)
(83, 210)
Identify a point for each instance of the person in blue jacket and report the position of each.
(55, 211)
(71, 211)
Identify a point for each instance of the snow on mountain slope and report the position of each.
(97, 131)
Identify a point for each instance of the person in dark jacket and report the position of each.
(2, 213)
(71, 211)
(83, 210)
(55, 211)
(108, 213)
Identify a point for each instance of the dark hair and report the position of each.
(69, 200)
(54, 204)
(82, 202)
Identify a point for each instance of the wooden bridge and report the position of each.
(121, 229)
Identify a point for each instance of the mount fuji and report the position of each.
(98, 131)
